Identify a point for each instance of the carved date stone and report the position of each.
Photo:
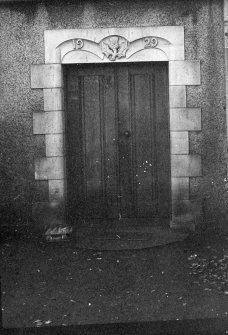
(78, 44)
(150, 42)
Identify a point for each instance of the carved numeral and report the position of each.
(77, 44)
(150, 42)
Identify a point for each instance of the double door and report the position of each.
(117, 140)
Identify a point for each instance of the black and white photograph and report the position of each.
(114, 166)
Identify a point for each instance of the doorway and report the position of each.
(117, 141)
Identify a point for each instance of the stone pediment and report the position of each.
(114, 45)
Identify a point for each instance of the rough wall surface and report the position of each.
(22, 28)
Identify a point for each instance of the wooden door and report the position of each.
(118, 156)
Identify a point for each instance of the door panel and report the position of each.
(144, 130)
(110, 143)
(125, 144)
(163, 174)
(118, 157)
(93, 148)
(92, 184)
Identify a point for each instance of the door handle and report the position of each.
(127, 133)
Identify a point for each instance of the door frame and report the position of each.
(105, 45)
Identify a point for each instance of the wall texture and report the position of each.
(22, 28)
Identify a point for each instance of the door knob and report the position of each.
(127, 133)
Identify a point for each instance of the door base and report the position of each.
(125, 240)
(121, 225)
(124, 234)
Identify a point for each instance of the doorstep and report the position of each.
(129, 234)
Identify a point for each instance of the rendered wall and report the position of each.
(22, 41)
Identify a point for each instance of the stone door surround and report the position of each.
(105, 45)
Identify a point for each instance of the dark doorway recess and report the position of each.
(117, 141)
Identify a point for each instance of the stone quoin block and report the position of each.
(53, 99)
(50, 168)
(225, 10)
(177, 96)
(48, 123)
(185, 119)
(56, 190)
(46, 76)
(54, 145)
(180, 188)
(186, 210)
(41, 190)
(179, 142)
(48, 214)
(186, 166)
(184, 72)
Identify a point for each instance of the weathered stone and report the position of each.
(185, 165)
(46, 76)
(50, 168)
(48, 215)
(48, 123)
(184, 72)
(186, 210)
(177, 96)
(180, 188)
(183, 207)
(53, 99)
(59, 43)
(19, 52)
(56, 190)
(41, 191)
(54, 145)
(185, 119)
(179, 142)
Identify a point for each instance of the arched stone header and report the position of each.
(114, 44)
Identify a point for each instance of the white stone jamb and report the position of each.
(183, 120)
(51, 123)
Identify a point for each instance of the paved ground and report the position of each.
(47, 284)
